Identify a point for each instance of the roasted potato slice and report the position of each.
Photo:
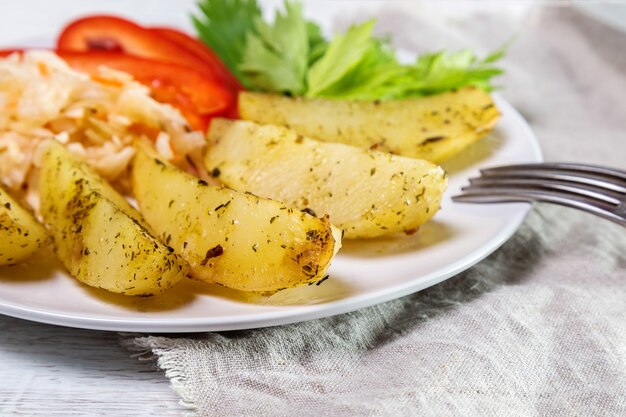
(366, 193)
(432, 128)
(98, 235)
(20, 233)
(234, 239)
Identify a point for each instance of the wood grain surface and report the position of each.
(56, 371)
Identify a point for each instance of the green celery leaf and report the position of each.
(439, 72)
(317, 42)
(343, 54)
(291, 56)
(224, 26)
(276, 57)
(372, 78)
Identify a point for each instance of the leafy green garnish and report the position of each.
(291, 56)
(317, 42)
(356, 66)
(276, 57)
(342, 56)
(438, 72)
(224, 26)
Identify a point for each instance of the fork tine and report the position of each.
(594, 189)
(587, 174)
(504, 195)
(599, 193)
(583, 168)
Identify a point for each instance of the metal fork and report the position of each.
(594, 189)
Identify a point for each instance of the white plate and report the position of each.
(364, 273)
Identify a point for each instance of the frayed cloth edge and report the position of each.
(163, 352)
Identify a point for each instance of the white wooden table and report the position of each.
(56, 371)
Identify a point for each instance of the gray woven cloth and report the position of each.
(537, 329)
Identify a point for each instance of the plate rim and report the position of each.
(293, 314)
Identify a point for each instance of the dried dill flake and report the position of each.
(322, 280)
(310, 211)
(212, 253)
(221, 206)
(434, 139)
(312, 235)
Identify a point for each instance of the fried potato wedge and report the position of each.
(234, 239)
(20, 233)
(98, 235)
(366, 193)
(432, 128)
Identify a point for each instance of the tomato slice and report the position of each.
(115, 34)
(197, 97)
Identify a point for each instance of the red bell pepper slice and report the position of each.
(115, 34)
(202, 51)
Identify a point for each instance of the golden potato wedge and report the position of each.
(98, 235)
(234, 239)
(366, 193)
(20, 233)
(432, 128)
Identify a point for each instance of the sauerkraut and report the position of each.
(97, 118)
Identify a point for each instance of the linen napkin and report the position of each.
(536, 329)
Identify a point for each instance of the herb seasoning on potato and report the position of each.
(434, 128)
(232, 238)
(20, 233)
(365, 193)
(99, 237)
